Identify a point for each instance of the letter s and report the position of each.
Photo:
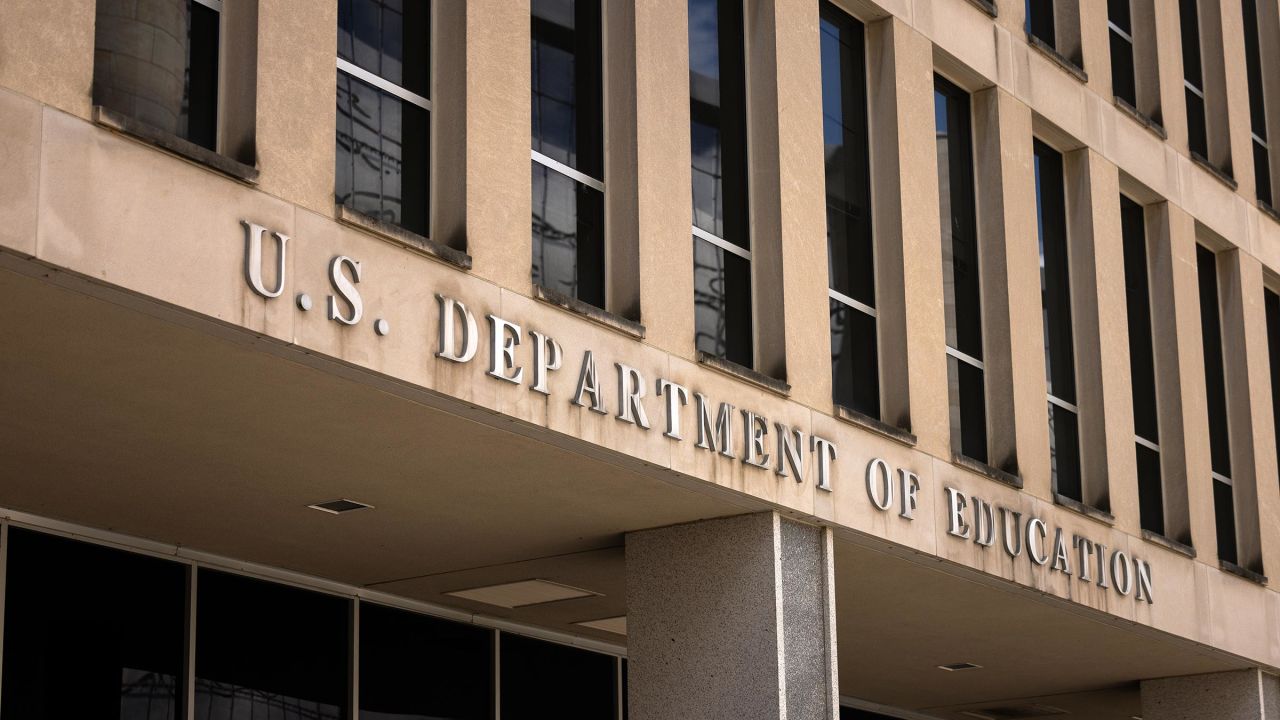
(347, 289)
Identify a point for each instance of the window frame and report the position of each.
(352, 70)
(836, 15)
(584, 178)
(954, 92)
(748, 355)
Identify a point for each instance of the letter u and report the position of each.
(1012, 541)
(253, 259)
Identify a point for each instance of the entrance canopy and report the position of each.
(127, 416)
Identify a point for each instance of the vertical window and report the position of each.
(718, 132)
(414, 667)
(1059, 344)
(1193, 77)
(961, 285)
(160, 67)
(850, 251)
(1272, 302)
(1124, 83)
(383, 133)
(1216, 395)
(568, 148)
(542, 679)
(91, 632)
(1142, 366)
(268, 650)
(1257, 101)
(1040, 21)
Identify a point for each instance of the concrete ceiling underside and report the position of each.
(125, 416)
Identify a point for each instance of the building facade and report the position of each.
(669, 359)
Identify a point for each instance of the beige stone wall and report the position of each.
(79, 197)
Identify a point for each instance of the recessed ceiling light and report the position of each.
(615, 625)
(956, 667)
(1015, 712)
(522, 593)
(337, 507)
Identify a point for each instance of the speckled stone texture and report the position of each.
(1239, 695)
(731, 618)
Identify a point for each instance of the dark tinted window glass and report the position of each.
(545, 680)
(1059, 348)
(1119, 14)
(1138, 301)
(854, 370)
(722, 302)
(1214, 374)
(960, 269)
(718, 133)
(1253, 67)
(90, 632)
(1272, 302)
(568, 236)
(414, 667)
(1150, 489)
(173, 84)
(382, 160)
(1262, 172)
(1189, 20)
(968, 409)
(568, 126)
(1040, 20)
(389, 38)
(566, 79)
(269, 650)
(1197, 131)
(1123, 81)
(850, 247)
(844, 132)
(201, 91)
(1054, 280)
(1224, 513)
(383, 140)
(1064, 450)
(717, 105)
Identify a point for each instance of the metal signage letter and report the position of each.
(253, 259)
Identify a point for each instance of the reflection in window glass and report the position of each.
(415, 667)
(268, 650)
(173, 84)
(568, 148)
(545, 680)
(850, 248)
(722, 243)
(73, 650)
(383, 132)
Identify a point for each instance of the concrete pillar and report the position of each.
(664, 210)
(1102, 338)
(1195, 420)
(1238, 695)
(1016, 400)
(908, 249)
(732, 618)
(296, 89)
